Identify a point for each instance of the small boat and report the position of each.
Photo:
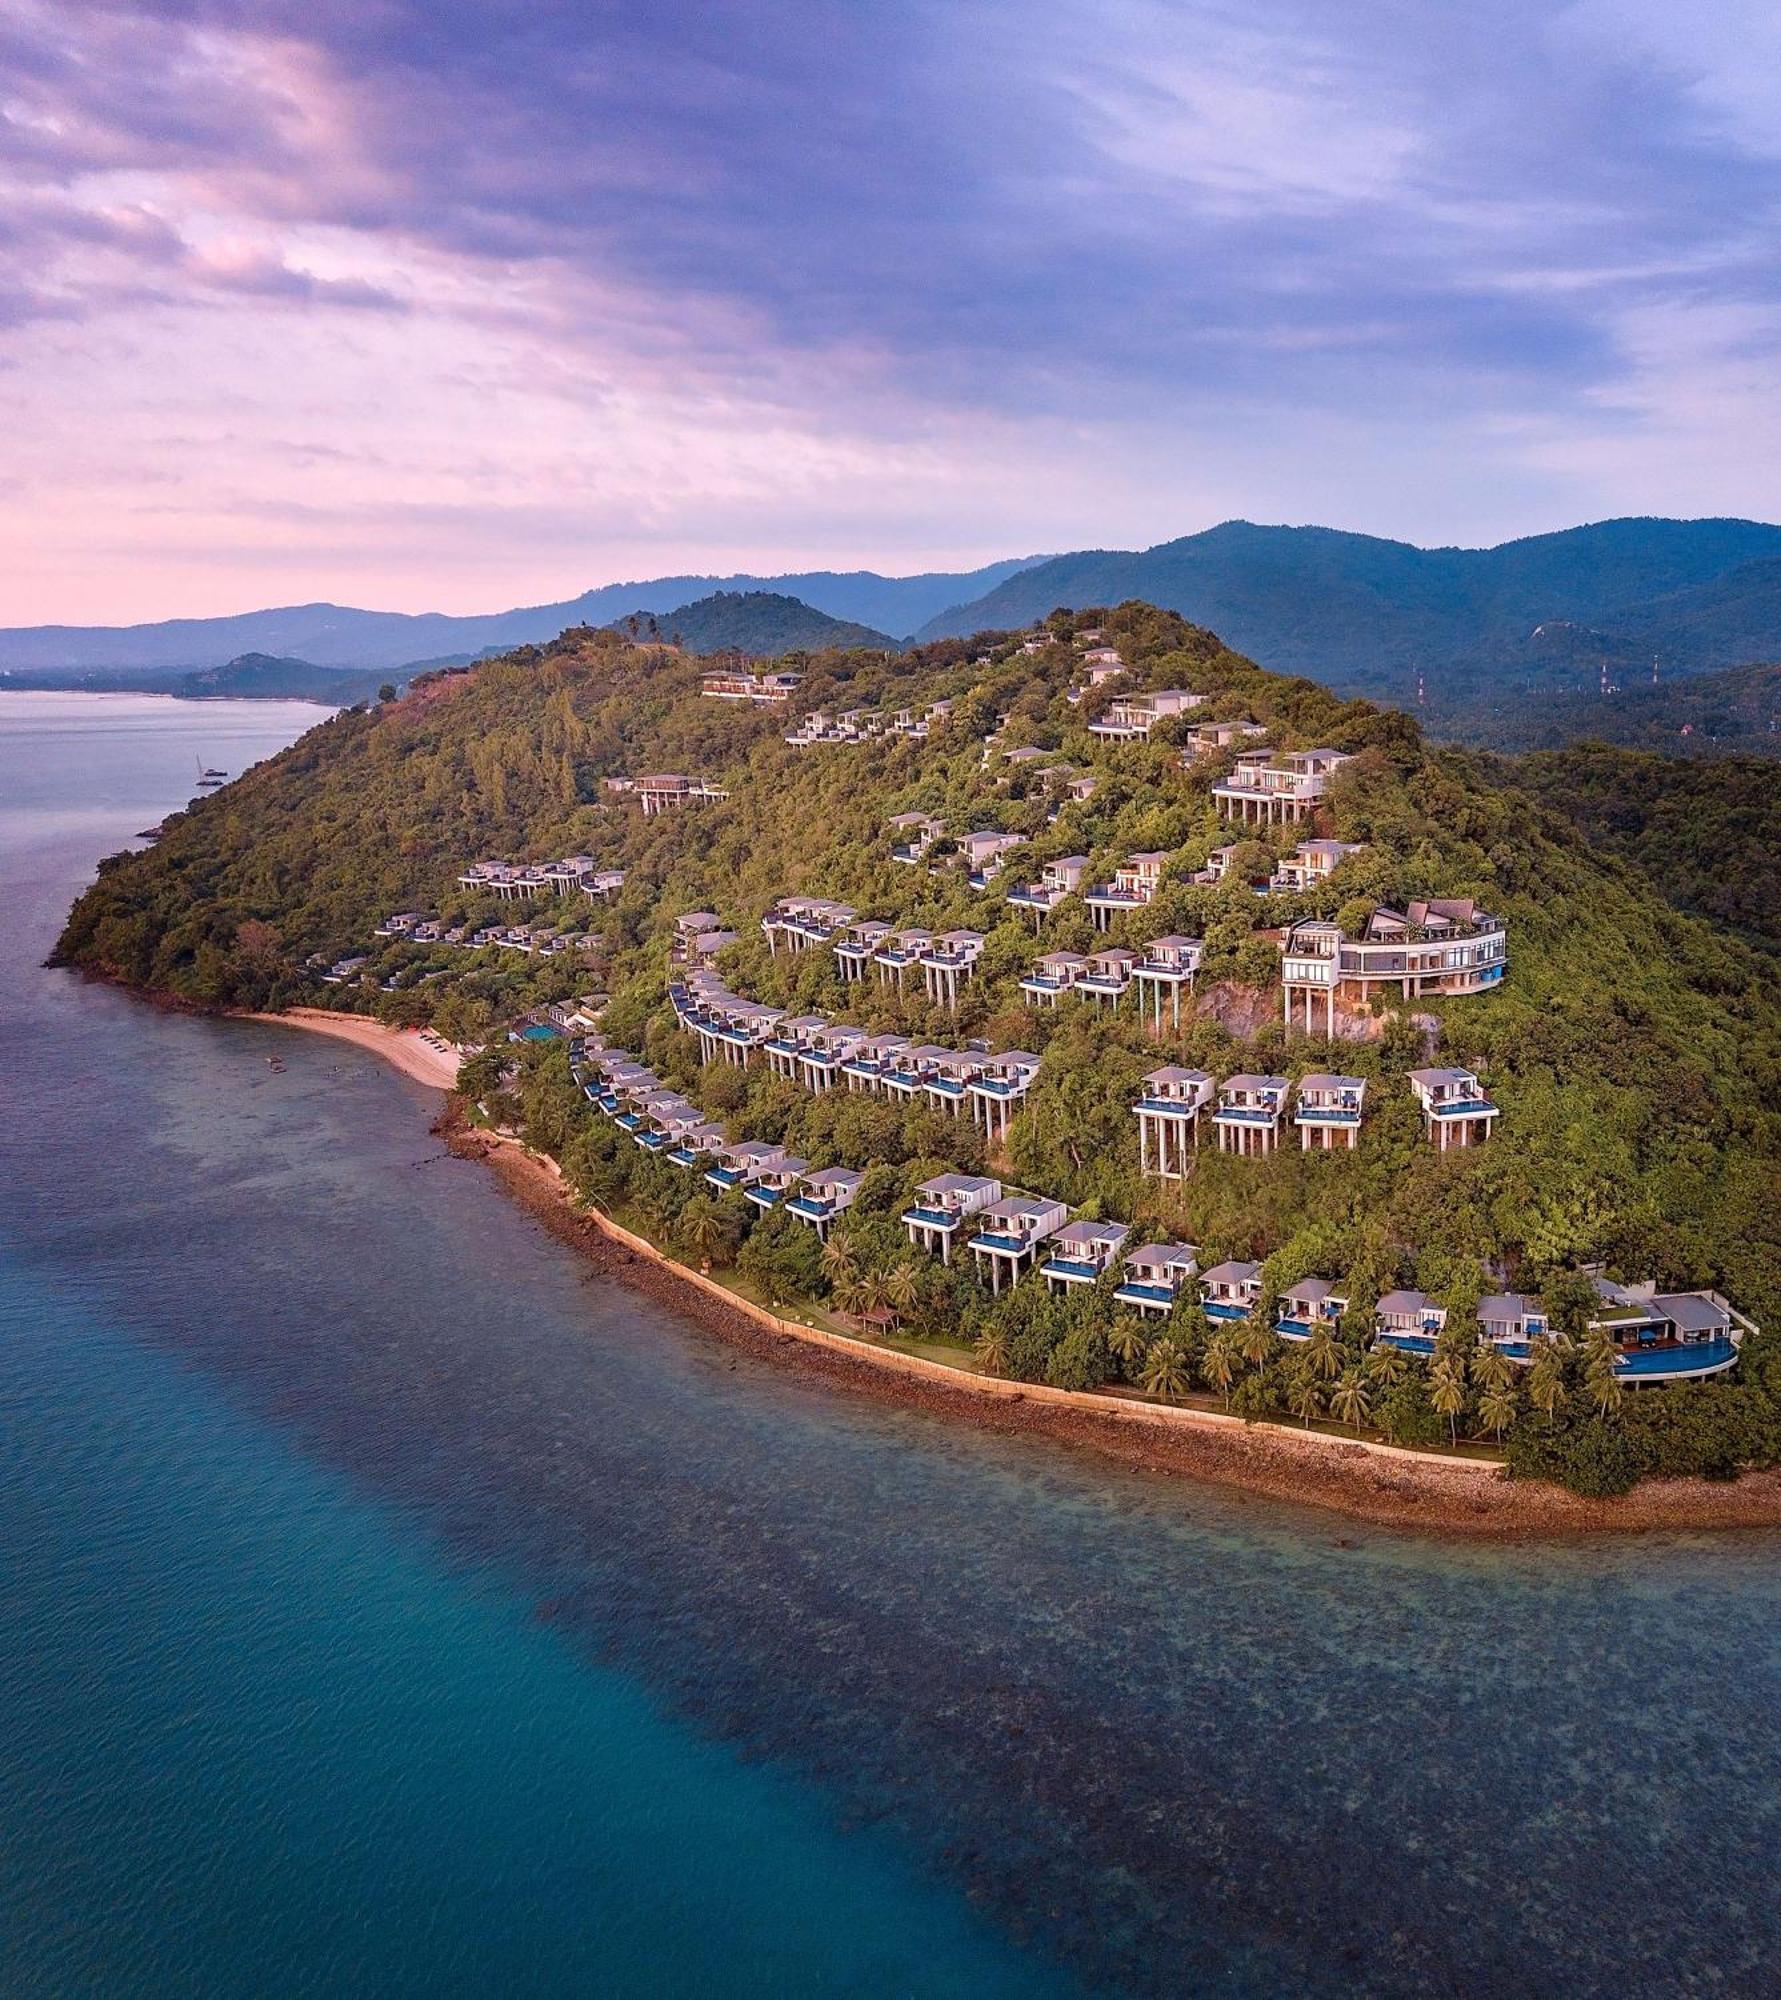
(208, 780)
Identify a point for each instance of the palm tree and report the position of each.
(1546, 1379)
(902, 1289)
(1165, 1371)
(1304, 1395)
(704, 1233)
(839, 1259)
(1126, 1340)
(1491, 1367)
(1447, 1392)
(1496, 1409)
(991, 1351)
(1605, 1385)
(1256, 1342)
(1323, 1352)
(1219, 1363)
(1387, 1365)
(1349, 1401)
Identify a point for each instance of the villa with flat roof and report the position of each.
(1273, 785)
(1232, 1290)
(737, 685)
(1207, 739)
(1134, 716)
(857, 946)
(1328, 1110)
(802, 923)
(1057, 879)
(1668, 1336)
(1164, 966)
(942, 1206)
(1168, 1115)
(1312, 862)
(1247, 1115)
(1052, 974)
(823, 1196)
(983, 855)
(1135, 883)
(1155, 1276)
(737, 1166)
(662, 791)
(1009, 1232)
(917, 833)
(948, 962)
(1455, 1110)
(1438, 947)
(1082, 1253)
(1107, 975)
(1304, 1307)
(1000, 1084)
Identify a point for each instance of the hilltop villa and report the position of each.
(1247, 1115)
(1272, 785)
(741, 686)
(1328, 1111)
(1136, 715)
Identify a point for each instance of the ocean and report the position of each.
(389, 1605)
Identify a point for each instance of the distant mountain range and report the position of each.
(333, 635)
(1369, 616)
(1733, 712)
(1471, 636)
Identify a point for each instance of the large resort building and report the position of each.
(737, 685)
(663, 791)
(1438, 947)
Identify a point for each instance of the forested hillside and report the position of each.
(1635, 1052)
(1708, 834)
(1733, 713)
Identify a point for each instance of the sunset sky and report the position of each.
(453, 306)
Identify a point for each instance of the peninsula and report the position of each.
(1082, 1005)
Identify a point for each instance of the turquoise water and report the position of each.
(388, 1607)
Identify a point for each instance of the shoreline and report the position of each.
(404, 1048)
(1383, 1485)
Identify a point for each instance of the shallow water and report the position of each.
(392, 1607)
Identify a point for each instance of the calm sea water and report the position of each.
(388, 1607)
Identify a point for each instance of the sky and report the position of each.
(468, 303)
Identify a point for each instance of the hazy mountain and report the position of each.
(1734, 711)
(335, 635)
(1368, 616)
(760, 622)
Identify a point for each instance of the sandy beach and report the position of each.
(425, 1061)
(1366, 1481)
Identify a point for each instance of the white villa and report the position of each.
(1156, 1276)
(1312, 862)
(1247, 1115)
(1057, 879)
(741, 686)
(1272, 785)
(1311, 1303)
(1164, 967)
(857, 946)
(983, 855)
(801, 923)
(1136, 715)
(1082, 1253)
(1009, 1233)
(918, 832)
(662, 791)
(1134, 885)
(1455, 1110)
(1107, 975)
(1328, 1111)
(1052, 974)
(942, 1206)
(1231, 1291)
(824, 1196)
(1168, 1115)
(948, 962)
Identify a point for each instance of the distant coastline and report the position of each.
(1385, 1485)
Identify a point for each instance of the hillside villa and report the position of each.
(1168, 1114)
(1328, 1110)
(1455, 1110)
(1272, 785)
(1247, 1114)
